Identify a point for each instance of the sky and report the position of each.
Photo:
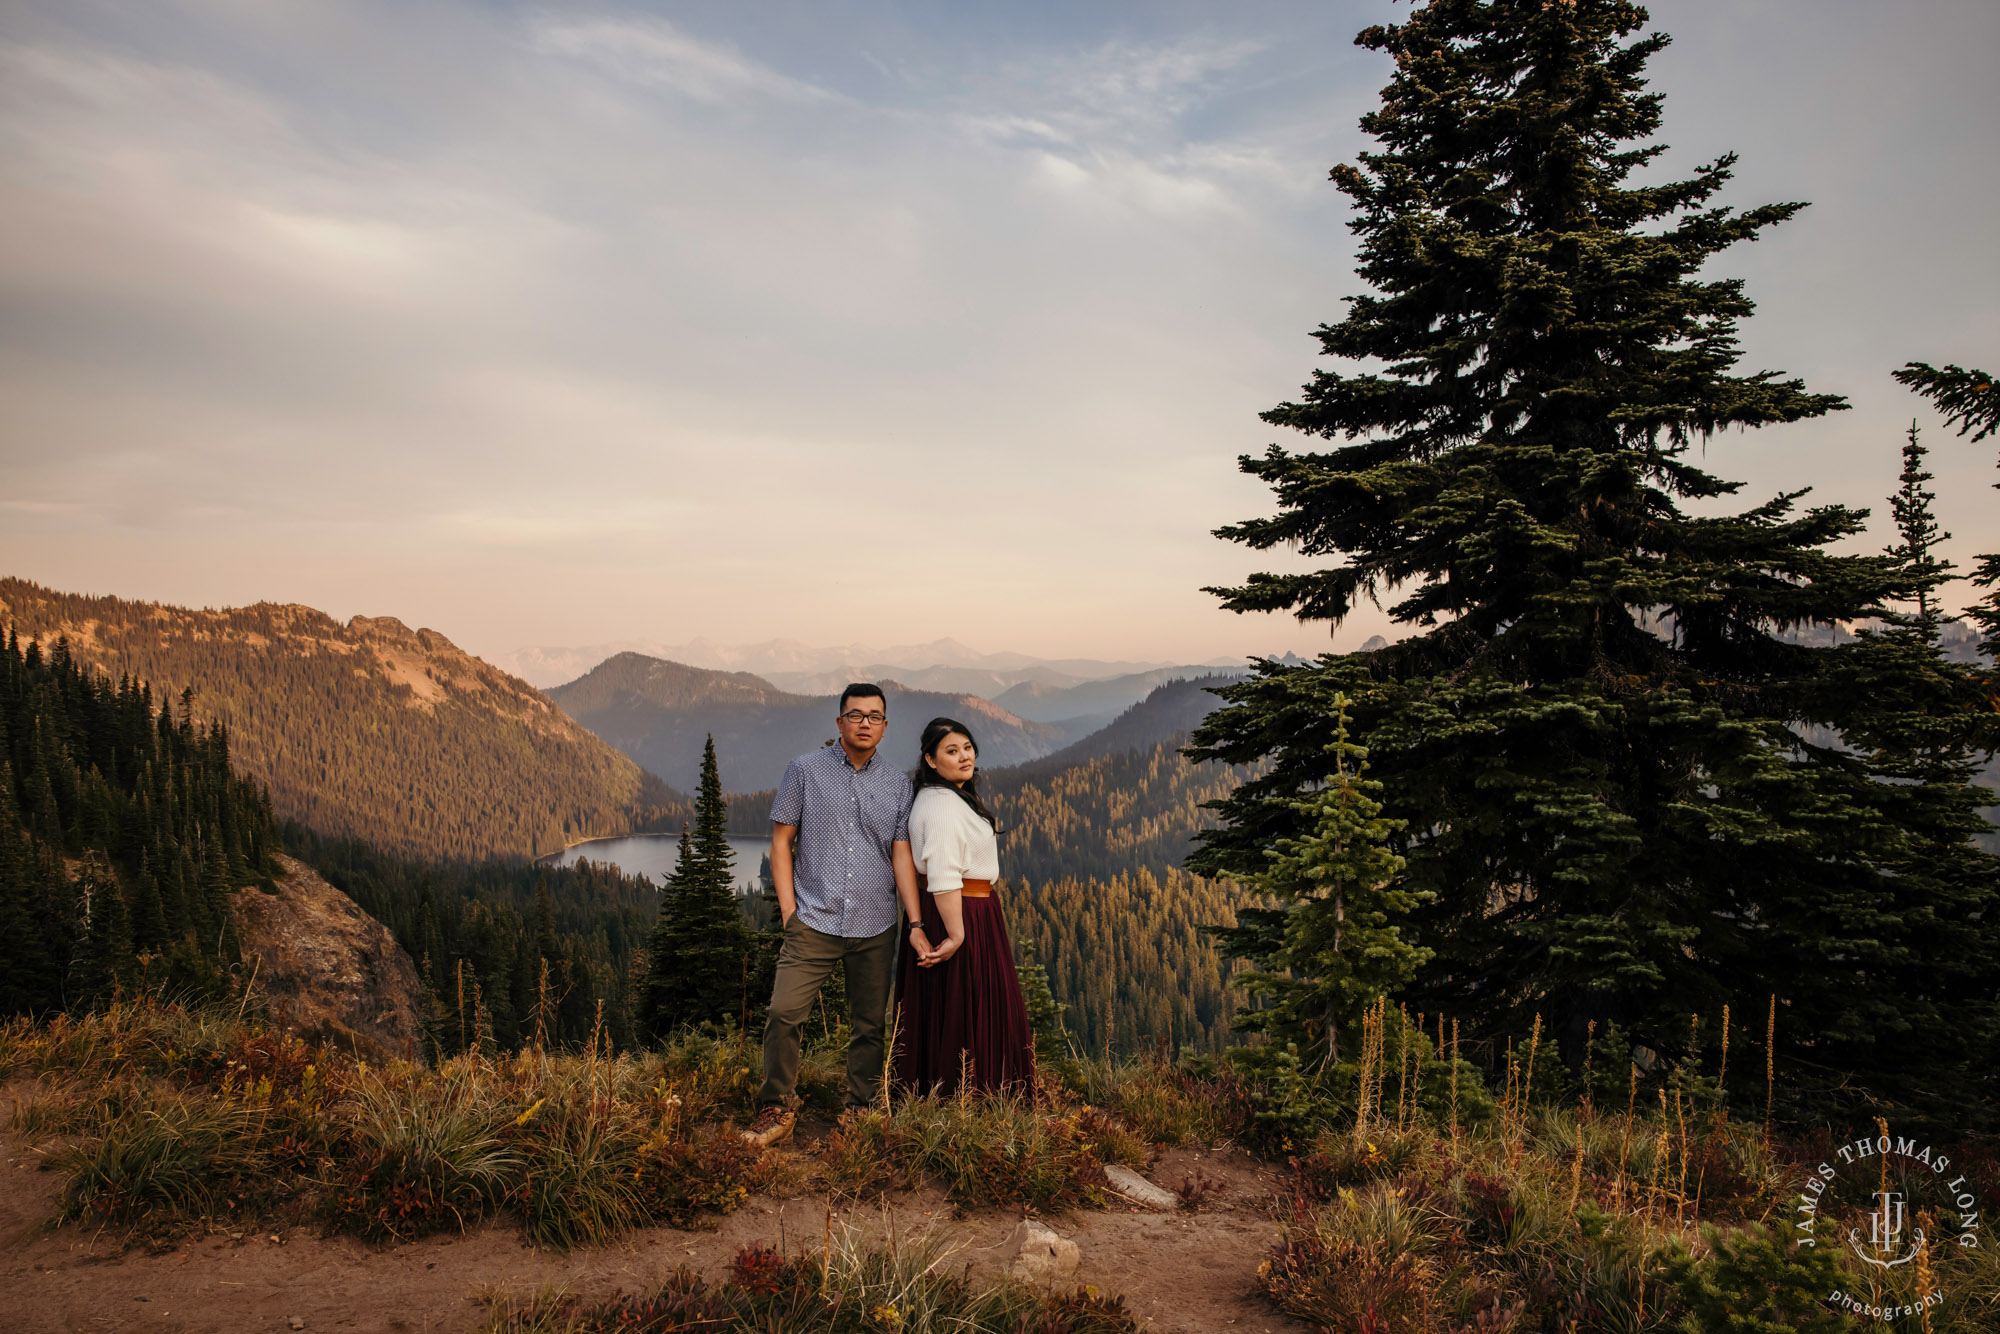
(847, 321)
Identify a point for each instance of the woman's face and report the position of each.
(955, 758)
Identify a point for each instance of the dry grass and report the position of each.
(913, 1287)
(159, 1117)
(1551, 1217)
(1046, 1152)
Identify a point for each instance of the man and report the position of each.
(840, 861)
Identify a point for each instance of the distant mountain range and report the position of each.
(370, 729)
(373, 730)
(944, 666)
(1170, 710)
(659, 712)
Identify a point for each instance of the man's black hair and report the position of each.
(862, 690)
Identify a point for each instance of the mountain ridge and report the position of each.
(367, 728)
(795, 665)
(658, 712)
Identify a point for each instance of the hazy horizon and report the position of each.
(848, 323)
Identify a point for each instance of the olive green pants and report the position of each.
(804, 963)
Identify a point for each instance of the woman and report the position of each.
(958, 999)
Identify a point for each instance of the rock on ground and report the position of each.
(1139, 1190)
(1037, 1254)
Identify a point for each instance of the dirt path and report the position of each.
(1181, 1272)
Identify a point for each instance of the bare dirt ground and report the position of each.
(1179, 1272)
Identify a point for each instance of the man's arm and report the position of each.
(905, 868)
(783, 838)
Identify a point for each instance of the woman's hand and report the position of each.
(944, 951)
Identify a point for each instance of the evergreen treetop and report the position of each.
(1971, 402)
(1918, 536)
(1548, 355)
(1967, 398)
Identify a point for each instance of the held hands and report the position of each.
(928, 955)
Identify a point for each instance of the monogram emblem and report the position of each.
(1885, 1232)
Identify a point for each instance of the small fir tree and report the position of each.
(1969, 401)
(1333, 942)
(1750, 1282)
(1918, 537)
(699, 957)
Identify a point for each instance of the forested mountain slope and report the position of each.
(1169, 710)
(123, 832)
(1104, 816)
(367, 729)
(482, 936)
(1034, 699)
(1131, 958)
(659, 712)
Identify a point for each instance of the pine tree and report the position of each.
(1918, 536)
(700, 953)
(103, 962)
(1971, 402)
(1333, 943)
(1620, 771)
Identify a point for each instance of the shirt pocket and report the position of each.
(880, 812)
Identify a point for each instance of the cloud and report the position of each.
(654, 53)
(564, 326)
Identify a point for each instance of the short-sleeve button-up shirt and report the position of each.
(849, 821)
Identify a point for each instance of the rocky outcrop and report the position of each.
(326, 967)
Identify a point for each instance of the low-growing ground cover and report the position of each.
(1402, 1197)
(849, 1287)
(160, 1117)
(1554, 1214)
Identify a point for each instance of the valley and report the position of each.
(514, 843)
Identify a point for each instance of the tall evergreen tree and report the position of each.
(1918, 536)
(1970, 401)
(1608, 744)
(700, 954)
(1333, 941)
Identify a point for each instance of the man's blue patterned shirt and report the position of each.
(849, 821)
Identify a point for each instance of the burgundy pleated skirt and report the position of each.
(965, 1013)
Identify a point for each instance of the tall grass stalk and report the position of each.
(1770, 1064)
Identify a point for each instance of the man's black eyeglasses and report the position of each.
(856, 717)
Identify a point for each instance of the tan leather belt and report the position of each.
(972, 889)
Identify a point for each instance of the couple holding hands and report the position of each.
(889, 877)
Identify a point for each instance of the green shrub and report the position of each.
(421, 1154)
(685, 1181)
(1003, 1149)
(179, 1156)
(1751, 1283)
(581, 1184)
(1176, 1106)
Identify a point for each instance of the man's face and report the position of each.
(863, 722)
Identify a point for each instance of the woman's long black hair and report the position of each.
(935, 731)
